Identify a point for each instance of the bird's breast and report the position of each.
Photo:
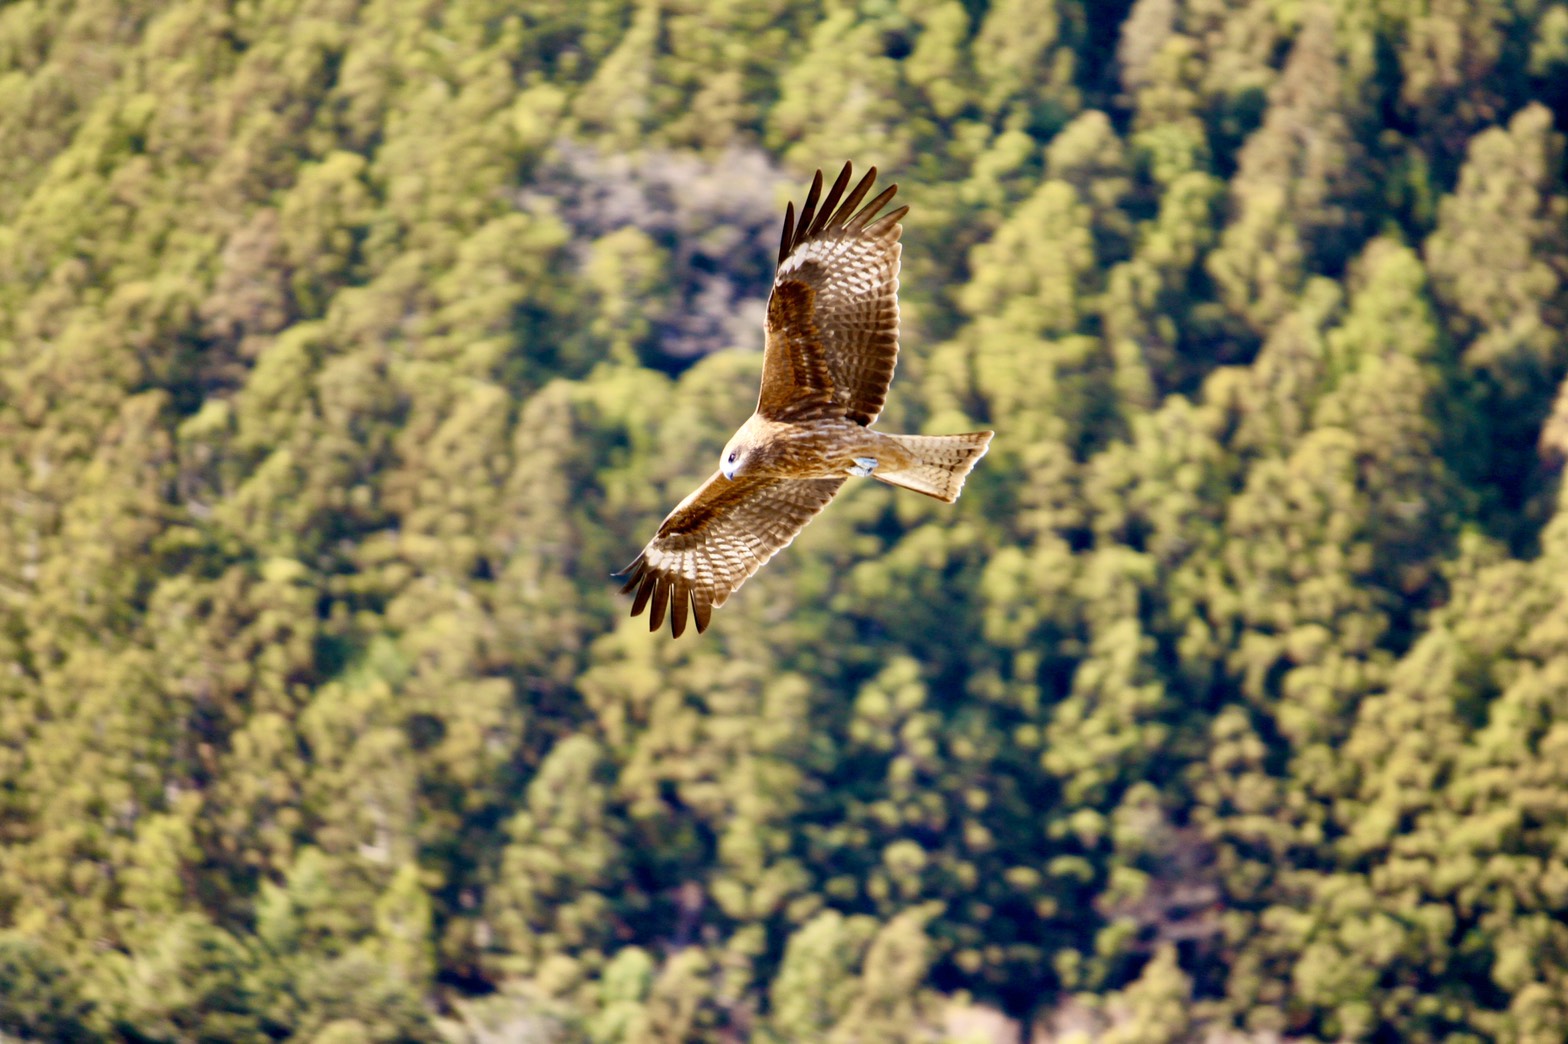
(815, 450)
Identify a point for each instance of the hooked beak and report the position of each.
(728, 470)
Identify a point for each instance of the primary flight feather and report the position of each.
(832, 342)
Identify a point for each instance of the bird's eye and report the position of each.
(732, 456)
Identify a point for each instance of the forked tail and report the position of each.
(940, 463)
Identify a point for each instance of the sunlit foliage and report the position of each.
(347, 347)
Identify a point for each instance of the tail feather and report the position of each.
(939, 463)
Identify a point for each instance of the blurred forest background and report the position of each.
(346, 348)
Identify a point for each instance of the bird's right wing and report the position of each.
(715, 539)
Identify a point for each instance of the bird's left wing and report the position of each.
(832, 328)
(715, 539)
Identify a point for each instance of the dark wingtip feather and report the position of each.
(830, 208)
(868, 213)
(882, 224)
(644, 590)
(835, 210)
(679, 601)
(633, 573)
(808, 209)
(787, 240)
(668, 596)
(858, 193)
(661, 603)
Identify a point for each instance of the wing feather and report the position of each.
(644, 591)
(808, 209)
(661, 600)
(830, 203)
(788, 238)
(701, 607)
(832, 326)
(678, 607)
(715, 540)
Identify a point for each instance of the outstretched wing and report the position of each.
(833, 315)
(715, 539)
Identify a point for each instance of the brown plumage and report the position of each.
(832, 343)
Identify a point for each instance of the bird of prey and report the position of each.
(832, 341)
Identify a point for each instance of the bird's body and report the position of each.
(817, 449)
(832, 342)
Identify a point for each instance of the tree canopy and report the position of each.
(347, 347)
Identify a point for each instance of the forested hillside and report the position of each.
(347, 347)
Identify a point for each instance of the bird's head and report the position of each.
(737, 455)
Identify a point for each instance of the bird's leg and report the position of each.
(863, 466)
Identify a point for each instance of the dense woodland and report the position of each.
(347, 347)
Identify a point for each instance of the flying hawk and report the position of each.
(832, 341)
